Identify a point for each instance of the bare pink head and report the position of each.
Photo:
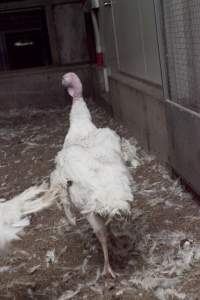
(73, 85)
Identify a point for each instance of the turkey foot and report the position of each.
(100, 230)
(107, 271)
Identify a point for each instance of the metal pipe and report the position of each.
(99, 52)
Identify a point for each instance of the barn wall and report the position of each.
(141, 107)
(184, 137)
(129, 36)
(40, 88)
(182, 33)
(71, 33)
(133, 62)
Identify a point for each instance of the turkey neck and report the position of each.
(79, 110)
(80, 118)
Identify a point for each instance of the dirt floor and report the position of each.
(157, 252)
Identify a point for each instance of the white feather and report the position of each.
(92, 159)
(13, 213)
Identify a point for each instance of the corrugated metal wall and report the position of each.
(134, 38)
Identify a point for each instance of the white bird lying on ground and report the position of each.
(90, 173)
(14, 213)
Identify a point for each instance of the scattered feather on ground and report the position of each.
(158, 255)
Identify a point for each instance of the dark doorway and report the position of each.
(26, 49)
(24, 40)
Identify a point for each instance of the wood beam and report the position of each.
(33, 3)
(53, 41)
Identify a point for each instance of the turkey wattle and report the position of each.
(90, 172)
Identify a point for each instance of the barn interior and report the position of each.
(140, 78)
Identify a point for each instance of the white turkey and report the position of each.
(14, 213)
(90, 173)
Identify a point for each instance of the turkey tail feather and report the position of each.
(14, 212)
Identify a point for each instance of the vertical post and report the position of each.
(52, 35)
(162, 45)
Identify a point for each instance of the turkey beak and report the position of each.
(65, 81)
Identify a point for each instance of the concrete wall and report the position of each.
(39, 87)
(184, 142)
(141, 107)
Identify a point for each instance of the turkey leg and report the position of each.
(100, 230)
